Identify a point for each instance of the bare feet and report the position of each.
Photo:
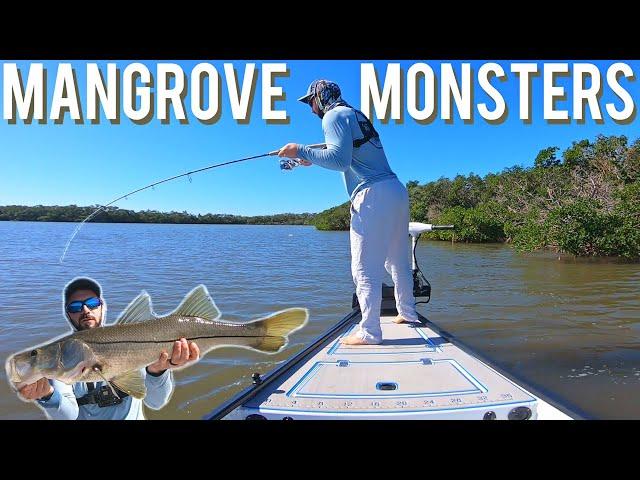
(355, 340)
(400, 319)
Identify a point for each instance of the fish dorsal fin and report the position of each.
(139, 310)
(198, 303)
(132, 383)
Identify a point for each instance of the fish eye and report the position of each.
(34, 353)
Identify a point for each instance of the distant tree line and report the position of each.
(73, 213)
(584, 202)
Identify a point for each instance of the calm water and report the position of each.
(569, 327)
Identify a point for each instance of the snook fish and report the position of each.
(117, 353)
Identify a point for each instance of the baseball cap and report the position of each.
(81, 283)
(310, 91)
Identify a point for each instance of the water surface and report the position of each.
(570, 327)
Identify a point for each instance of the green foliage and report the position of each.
(586, 203)
(580, 228)
(73, 213)
(547, 158)
(630, 165)
(477, 225)
(627, 211)
(529, 236)
(577, 154)
(336, 218)
(525, 231)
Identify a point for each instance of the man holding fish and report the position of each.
(123, 360)
(84, 309)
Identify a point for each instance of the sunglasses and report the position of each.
(76, 307)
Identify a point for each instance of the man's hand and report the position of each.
(37, 390)
(183, 352)
(290, 150)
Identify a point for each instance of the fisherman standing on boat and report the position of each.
(379, 206)
(84, 308)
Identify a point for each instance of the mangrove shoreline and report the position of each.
(585, 203)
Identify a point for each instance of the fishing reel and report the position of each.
(289, 163)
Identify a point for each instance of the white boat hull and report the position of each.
(415, 374)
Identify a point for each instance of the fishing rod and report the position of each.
(285, 164)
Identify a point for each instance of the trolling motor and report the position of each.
(421, 286)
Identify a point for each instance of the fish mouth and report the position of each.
(12, 373)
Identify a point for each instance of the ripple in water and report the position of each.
(570, 327)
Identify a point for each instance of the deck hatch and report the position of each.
(386, 386)
(364, 379)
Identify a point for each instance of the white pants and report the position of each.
(379, 240)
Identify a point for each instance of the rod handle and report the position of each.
(313, 145)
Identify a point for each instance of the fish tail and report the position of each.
(279, 326)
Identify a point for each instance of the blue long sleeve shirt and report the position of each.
(362, 166)
(63, 404)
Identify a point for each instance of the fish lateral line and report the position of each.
(92, 342)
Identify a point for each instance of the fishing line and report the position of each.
(152, 186)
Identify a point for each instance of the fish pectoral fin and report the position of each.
(279, 326)
(198, 303)
(97, 369)
(131, 382)
(139, 310)
(271, 344)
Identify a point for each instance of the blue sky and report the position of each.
(93, 164)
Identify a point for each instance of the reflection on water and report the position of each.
(570, 327)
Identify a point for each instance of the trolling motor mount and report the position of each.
(421, 286)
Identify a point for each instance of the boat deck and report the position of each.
(416, 373)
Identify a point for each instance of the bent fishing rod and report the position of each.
(285, 164)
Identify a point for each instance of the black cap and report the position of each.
(81, 283)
